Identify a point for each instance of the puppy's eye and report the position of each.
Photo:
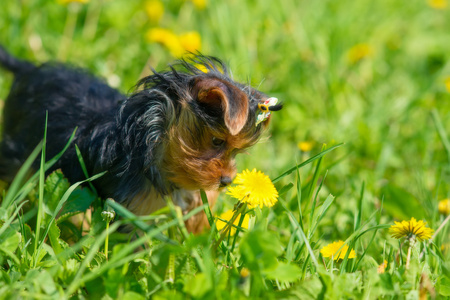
(217, 142)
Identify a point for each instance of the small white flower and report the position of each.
(108, 215)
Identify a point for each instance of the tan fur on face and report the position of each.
(190, 163)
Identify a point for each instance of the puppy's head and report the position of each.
(208, 120)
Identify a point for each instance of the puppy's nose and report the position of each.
(225, 181)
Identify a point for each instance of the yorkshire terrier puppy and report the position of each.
(177, 133)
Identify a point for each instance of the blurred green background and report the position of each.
(369, 74)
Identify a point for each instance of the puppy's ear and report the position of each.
(230, 101)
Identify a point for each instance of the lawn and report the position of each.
(361, 143)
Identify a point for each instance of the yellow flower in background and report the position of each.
(167, 38)
(332, 250)
(72, 1)
(438, 4)
(227, 216)
(199, 4)
(177, 45)
(358, 52)
(305, 146)
(244, 272)
(254, 188)
(444, 207)
(154, 10)
(191, 41)
(411, 228)
(202, 68)
(447, 84)
(382, 268)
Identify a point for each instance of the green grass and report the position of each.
(390, 109)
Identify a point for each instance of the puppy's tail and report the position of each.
(12, 63)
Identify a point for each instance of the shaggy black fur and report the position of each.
(124, 136)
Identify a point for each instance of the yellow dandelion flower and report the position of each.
(444, 207)
(382, 268)
(358, 52)
(254, 188)
(411, 228)
(227, 217)
(191, 41)
(72, 1)
(154, 10)
(332, 250)
(199, 4)
(305, 146)
(166, 38)
(447, 84)
(438, 4)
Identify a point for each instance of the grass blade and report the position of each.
(313, 185)
(365, 251)
(359, 214)
(207, 208)
(11, 219)
(83, 167)
(40, 212)
(125, 213)
(63, 200)
(28, 186)
(441, 131)
(325, 206)
(299, 198)
(14, 190)
(300, 234)
(308, 161)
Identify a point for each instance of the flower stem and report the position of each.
(239, 210)
(412, 242)
(239, 225)
(408, 257)
(108, 215)
(107, 240)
